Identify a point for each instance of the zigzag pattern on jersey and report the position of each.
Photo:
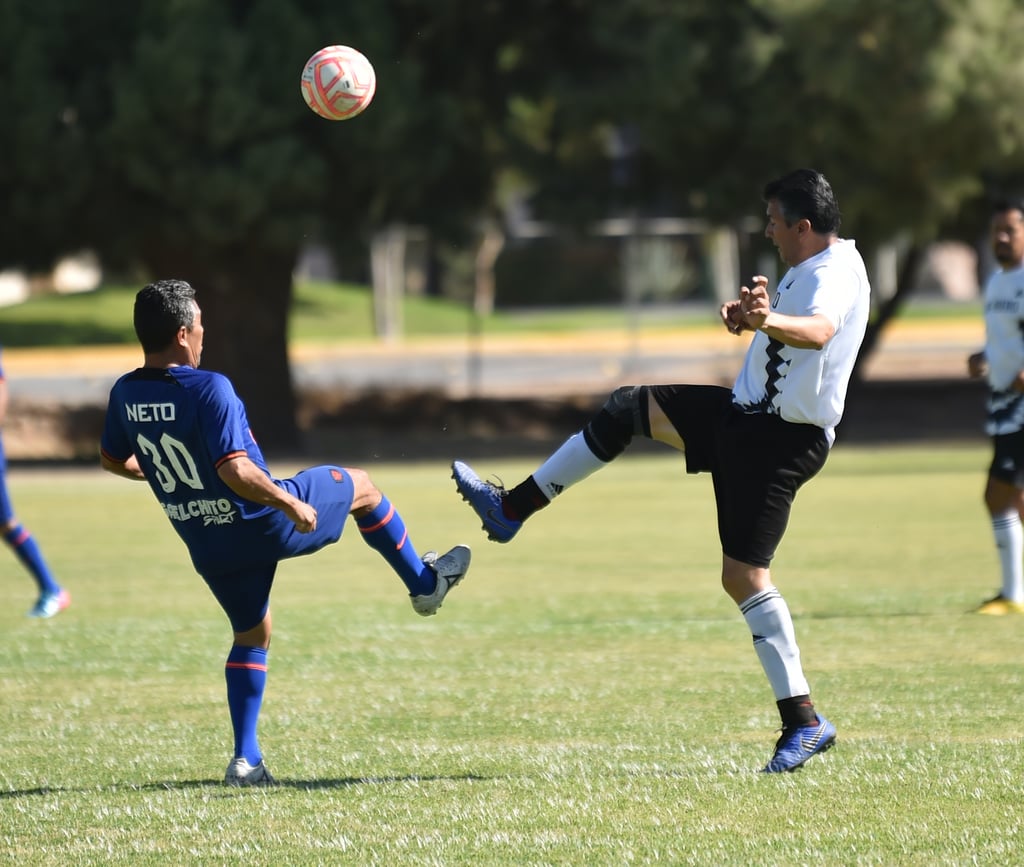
(776, 369)
(1005, 412)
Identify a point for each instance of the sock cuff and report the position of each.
(16, 536)
(759, 598)
(247, 657)
(1007, 519)
(382, 513)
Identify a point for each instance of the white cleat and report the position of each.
(450, 569)
(241, 773)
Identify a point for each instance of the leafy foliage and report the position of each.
(170, 136)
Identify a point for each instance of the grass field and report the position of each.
(588, 696)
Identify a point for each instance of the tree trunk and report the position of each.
(245, 297)
(492, 242)
(387, 268)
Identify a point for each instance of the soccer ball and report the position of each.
(338, 82)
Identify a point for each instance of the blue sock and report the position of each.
(246, 676)
(28, 552)
(384, 531)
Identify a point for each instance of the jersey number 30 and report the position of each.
(172, 462)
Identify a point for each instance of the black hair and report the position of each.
(161, 309)
(1008, 203)
(805, 194)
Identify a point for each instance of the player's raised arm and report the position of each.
(249, 481)
(800, 332)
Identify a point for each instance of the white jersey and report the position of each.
(808, 386)
(1004, 349)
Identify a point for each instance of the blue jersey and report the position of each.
(182, 424)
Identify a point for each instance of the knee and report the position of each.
(1000, 497)
(742, 580)
(623, 416)
(258, 636)
(365, 494)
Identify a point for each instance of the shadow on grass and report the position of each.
(184, 785)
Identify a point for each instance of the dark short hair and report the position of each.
(161, 308)
(805, 194)
(1007, 203)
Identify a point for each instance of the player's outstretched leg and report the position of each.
(449, 570)
(797, 745)
(486, 500)
(428, 578)
(603, 438)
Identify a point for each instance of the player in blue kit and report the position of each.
(52, 597)
(184, 431)
(760, 441)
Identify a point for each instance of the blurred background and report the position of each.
(545, 199)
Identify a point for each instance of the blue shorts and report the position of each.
(244, 594)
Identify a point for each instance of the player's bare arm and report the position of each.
(128, 469)
(3, 401)
(249, 481)
(800, 332)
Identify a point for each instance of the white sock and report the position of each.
(571, 463)
(767, 615)
(1009, 534)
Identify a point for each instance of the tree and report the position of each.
(180, 145)
(170, 136)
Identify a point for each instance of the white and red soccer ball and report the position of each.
(338, 82)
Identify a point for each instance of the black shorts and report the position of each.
(1008, 459)
(757, 463)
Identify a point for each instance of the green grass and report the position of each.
(587, 696)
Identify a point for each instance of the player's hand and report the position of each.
(303, 516)
(977, 365)
(732, 317)
(755, 305)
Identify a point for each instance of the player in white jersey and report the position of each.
(1002, 363)
(760, 441)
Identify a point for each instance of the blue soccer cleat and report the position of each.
(797, 745)
(485, 498)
